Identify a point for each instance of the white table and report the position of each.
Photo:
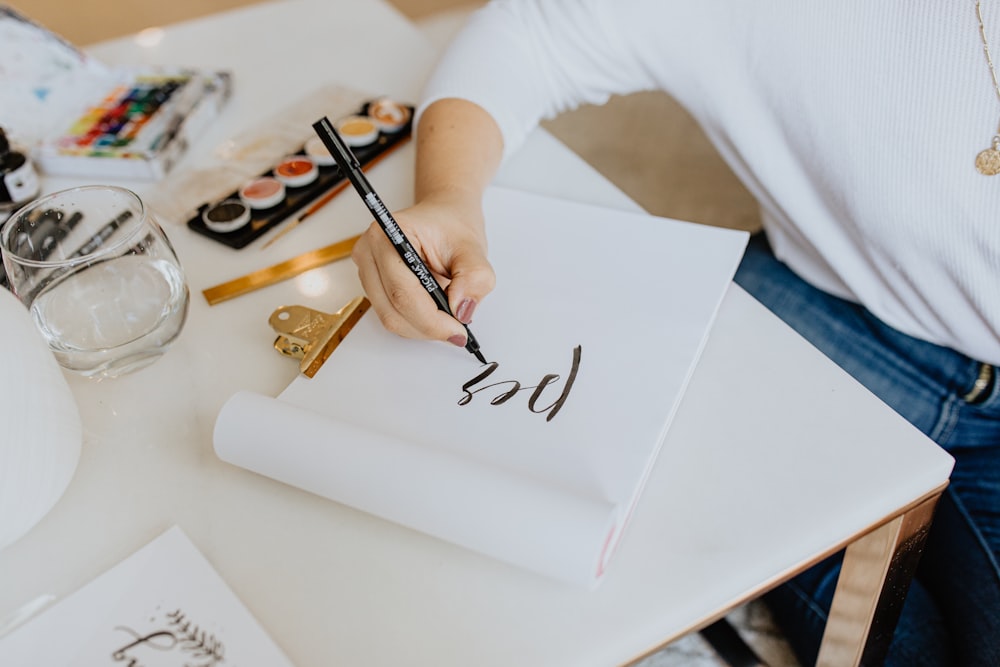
(734, 504)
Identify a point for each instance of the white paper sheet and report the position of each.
(385, 426)
(164, 606)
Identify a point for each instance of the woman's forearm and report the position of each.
(459, 148)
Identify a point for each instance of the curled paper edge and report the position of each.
(507, 516)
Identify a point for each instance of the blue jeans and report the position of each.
(951, 615)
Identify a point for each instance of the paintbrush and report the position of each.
(316, 205)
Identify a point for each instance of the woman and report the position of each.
(866, 132)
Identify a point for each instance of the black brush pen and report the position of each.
(352, 169)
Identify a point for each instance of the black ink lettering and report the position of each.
(506, 396)
(490, 367)
(193, 639)
(515, 387)
(183, 636)
(140, 640)
(557, 405)
(497, 400)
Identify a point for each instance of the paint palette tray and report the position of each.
(306, 178)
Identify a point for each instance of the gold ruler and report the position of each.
(279, 272)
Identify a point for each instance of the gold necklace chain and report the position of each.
(988, 161)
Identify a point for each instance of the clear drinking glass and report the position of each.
(99, 276)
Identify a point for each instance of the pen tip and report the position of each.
(479, 355)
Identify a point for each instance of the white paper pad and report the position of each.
(383, 428)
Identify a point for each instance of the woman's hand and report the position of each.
(458, 150)
(448, 233)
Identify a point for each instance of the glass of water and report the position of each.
(99, 276)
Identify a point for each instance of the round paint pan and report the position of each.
(357, 130)
(296, 171)
(226, 216)
(317, 151)
(389, 115)
(263, 192)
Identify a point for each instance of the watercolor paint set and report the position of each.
(304, 180)
(140, 128)
(80, 117)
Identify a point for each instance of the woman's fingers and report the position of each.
(401, 302)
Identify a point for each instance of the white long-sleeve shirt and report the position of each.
(856, 124)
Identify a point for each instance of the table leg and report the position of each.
(873, 581)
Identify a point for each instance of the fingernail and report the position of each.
(458, 340)
(465, 310)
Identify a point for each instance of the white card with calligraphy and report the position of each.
(538, 457)
(164, 606)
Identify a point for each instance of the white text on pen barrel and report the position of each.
(382, 213)
(421, 271)
(411, 258)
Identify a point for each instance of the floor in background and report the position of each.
(84, 23)
(646, 144)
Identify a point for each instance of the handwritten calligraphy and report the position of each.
(160, 641)
(180, 634)
(512, 387)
